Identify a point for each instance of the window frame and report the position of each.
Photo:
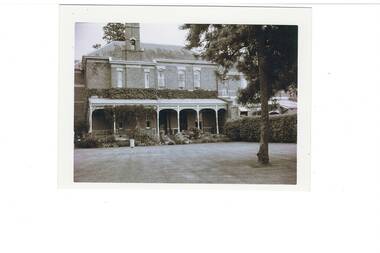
(161, 80)
(146, 78)
(197, 81)
(119, 77)
(181, 83)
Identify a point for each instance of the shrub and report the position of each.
(181, 138)
(137, 93)
(107, 139)
(282, 128)
(123, 143)
(142, 138)
(232, 130)
(194, 133)
(80, 128)
(88, 142)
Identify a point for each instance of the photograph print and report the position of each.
(185, 103)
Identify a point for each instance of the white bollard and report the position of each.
(132, 143)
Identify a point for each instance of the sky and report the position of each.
(88, 34)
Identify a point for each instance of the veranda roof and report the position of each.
(94, 101)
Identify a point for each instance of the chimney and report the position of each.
(132, 36)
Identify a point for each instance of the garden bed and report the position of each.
(142, 139)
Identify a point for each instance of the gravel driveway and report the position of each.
(232, 163)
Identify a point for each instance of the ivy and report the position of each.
(124, 112)
(136, 93)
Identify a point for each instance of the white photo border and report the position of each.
(70, 14)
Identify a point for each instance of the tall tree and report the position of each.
(114, 32)
(265, 54)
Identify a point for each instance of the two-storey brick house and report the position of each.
(131, 64)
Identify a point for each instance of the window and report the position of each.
(181, 79)
(223, 92)
(133, 44)
(119, 80)
(147, 78)
(243, 82)
(161, 78)
(148, 121)
(197, 78)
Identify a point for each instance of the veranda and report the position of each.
(166, 115)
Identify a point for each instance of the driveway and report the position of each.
(229, 163)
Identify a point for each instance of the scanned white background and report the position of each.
(340, 214)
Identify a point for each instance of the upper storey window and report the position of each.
(119, 78)
(146, 77)
(161, 76)
(197, 77)
(181, 79)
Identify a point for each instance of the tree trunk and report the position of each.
(263, 155)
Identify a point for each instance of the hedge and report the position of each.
(282, 128)
(136, 93)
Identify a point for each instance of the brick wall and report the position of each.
(135, 77)
(80, 105)
(98, 74)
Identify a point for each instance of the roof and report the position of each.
(150, 52)
(158, 102)
(288, 104)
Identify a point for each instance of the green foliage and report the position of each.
(134, 109)
(80, 128)
(232, 129)
(106, 139)
(194, 133)
(96, 46)
(237, 46)
(88, 142)
(249, 95)
(124, 112)
(137, 93)
(265, 54)
(122, 143)
(114, 32)
(283, 128)
(142, 138)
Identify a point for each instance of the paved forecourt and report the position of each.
(230, 162)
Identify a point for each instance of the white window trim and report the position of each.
(195, 70)
(119, 77)
(163, 78)
(181, 71)
(146, 80)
